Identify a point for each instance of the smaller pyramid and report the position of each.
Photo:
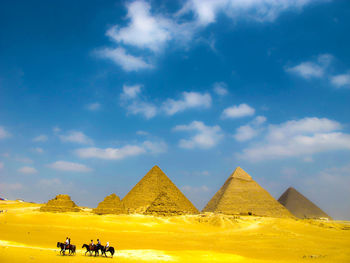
(110, 205)
(241, 195)
(61, 203)
(300, 206)
(163, 205)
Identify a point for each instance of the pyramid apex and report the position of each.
(239, 173)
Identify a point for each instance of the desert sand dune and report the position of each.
(28, 235)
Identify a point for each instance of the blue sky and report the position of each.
(93, 95)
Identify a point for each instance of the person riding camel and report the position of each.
(98, 242)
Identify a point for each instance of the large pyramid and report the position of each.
(163, 206)
(61, 203)
(148, 189)
(110, 205)
(242, 195)
(300, 206)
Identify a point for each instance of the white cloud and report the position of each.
(93, 106)
(111, 153)
(220, 88)
(320, 68)
(245, 133)
(189, 100)
(251, 130)
(69, 167)
(298, 138)
(259, 120)
(27, 170)
(144, 30)
(38, 150)
(239, 111)
(143, 133)
(148, 110)
(303, 126)
(126, 61)
(340, 81)
(131, 92)
(312, 69)
(3, 133)
(40, 138)
(153, 147)
(147, 30)
(205, 137)
(206, 11)
(75, 137)
(307, 70)
(131, 100)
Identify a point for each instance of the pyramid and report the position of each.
(300, 206)
(61, 203)
(110, 205)
(163, 206)
(149, 187)
(242, 195)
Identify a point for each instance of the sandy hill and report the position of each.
(61, 203)
(242, 195)
(148, 189)
(163, 206)
(110, 205)
(300, 206)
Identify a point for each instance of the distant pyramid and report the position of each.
(164, 206)
(148, 189)
(242, 195)
(300, 206)
(110, 205)
(61, 203)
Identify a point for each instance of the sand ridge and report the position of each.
(187, 238)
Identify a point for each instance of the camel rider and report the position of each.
(107, 246)
(98, 242)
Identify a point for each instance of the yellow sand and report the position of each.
(27, 235)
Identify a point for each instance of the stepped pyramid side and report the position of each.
(240, 194)
(300, 206)
(163, 206)
(110, 205)
(149, 187)
(61, 203)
